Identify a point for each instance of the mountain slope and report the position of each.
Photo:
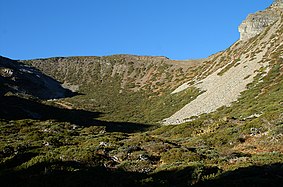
(224, 86)
(19, 78)
(124, 87)
(236, 139)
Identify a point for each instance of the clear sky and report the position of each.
(178, 29)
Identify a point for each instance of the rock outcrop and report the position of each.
(257, 22)
(277, 3)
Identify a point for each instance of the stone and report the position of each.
(277, 3)
(257, 22)
(6, 72)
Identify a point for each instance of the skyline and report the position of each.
(183, 30)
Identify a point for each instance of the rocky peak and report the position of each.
(277, 3)
(257, 22)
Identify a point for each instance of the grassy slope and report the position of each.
(121, 89)
(211, 150)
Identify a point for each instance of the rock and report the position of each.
(6, 72)
(8, 150)
(103, 144)
(73, 88)
(277, 3)
(256, 23)
(143, 157)
(133, 149)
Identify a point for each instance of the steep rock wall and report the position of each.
(257, 22)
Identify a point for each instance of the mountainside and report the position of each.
(124, 87)
(255, 59)
(20, 78)
(133, 72)
(127, 120)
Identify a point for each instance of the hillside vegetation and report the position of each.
(123, 87)
(109, 129)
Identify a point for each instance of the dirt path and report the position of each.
(64, 105)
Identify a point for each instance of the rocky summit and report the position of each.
(257, 22)
(127, 120)
(277, 3)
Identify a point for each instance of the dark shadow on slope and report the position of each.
(17, 160)
(53, 174)
(188, 176)
(20, 78)
(16, 108)
(71, 174)
(256, 176)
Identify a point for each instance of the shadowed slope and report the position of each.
(15, 108)
(20, 78)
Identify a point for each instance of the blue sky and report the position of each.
(178, 29)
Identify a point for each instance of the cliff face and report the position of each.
(257, 22)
